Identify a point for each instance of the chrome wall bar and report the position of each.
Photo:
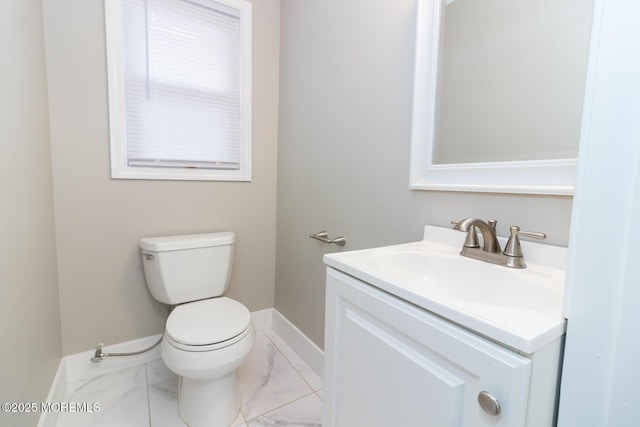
(323, 236)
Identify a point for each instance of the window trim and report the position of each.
(120, 168)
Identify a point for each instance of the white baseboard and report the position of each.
(80, 366)
(299, 342)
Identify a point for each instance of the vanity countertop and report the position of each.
(519, 308)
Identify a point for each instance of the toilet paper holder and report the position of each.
(323, 236)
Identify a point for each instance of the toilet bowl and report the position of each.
(206, 357)
(207, 335)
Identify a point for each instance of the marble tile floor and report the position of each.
(277, 389)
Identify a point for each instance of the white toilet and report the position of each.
(207, 336)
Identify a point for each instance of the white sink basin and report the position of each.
(521, 308)
(466, 280)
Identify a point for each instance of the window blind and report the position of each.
(182, 83)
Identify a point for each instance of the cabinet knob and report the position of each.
(488, 403)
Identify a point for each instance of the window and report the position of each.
(179, 74)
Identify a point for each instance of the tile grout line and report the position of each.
(290, 362)
(146, 378)
(246, 421)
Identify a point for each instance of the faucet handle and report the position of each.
(513, 248)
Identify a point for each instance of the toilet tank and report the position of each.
(186, 268)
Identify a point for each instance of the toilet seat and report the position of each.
(207, 324)
(208, 347)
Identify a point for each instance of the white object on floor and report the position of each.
(207, 336)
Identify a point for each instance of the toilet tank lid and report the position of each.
(187, 241)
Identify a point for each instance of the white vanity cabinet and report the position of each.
(391, 363)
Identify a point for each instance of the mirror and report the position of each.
(498, 94)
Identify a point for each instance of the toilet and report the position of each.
(207, 335)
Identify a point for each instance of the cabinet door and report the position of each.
(389, 363)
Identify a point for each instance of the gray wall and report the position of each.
(29, 312)
(99, 221)
(343, 154)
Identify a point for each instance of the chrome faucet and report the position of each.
(488, 230)
(511, 256)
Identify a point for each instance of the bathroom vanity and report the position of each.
(418, 335)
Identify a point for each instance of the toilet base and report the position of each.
(209, 403)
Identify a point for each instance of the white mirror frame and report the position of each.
(553, 177)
